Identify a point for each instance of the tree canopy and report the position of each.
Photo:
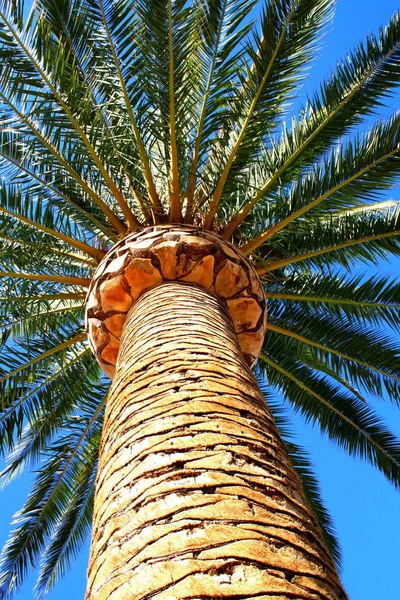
(116, 114)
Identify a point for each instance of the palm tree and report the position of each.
(153, 174)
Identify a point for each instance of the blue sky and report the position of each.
(363, 505)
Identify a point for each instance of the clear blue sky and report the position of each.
(365, 508)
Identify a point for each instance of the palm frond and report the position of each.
(20, 44)
(350, 174)
(114, 20)
(72, 529)
(373, 300)
(330, 352)
(342, 238)
(352, 93)
(55, 314)
(72, 25)
(33, 133)
(52, 498)
(36, 353)
(47, 408)
(29, 403)
(86, 248)
(345, 419)
(359, 353)
(21, 168)
(22, 299)
(289, 29)
(223, 28)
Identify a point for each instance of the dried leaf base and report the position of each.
(163, 253)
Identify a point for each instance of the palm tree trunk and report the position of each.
(196, 496)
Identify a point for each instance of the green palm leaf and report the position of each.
(69, 468)
(362, 354)
(348, 175)
(357, 298)
(345, 419)
(369, 73)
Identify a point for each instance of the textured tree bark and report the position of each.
(196, 496)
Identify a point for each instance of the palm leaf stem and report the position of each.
(116, 192)
(175, 213)
(244, 211)
(305, 340)
(199, 135)
(327, 300)
(81, 281)
(78, 338)
(257, 241)
(33, 317)
(151, 188)
(216, 197)
(114, 220)
(308, 390)
(334, 375)
(66, 466)
(278, 264)
(110, 137)
(95, 253)
(79, 442)
(384, 205)
(48, 380)
(110, 234)
(46, 297)
(68, 255)
(139, 200)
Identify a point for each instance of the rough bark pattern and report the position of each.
(196, 497)
(145, 259)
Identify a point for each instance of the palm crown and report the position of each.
(117, 114)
